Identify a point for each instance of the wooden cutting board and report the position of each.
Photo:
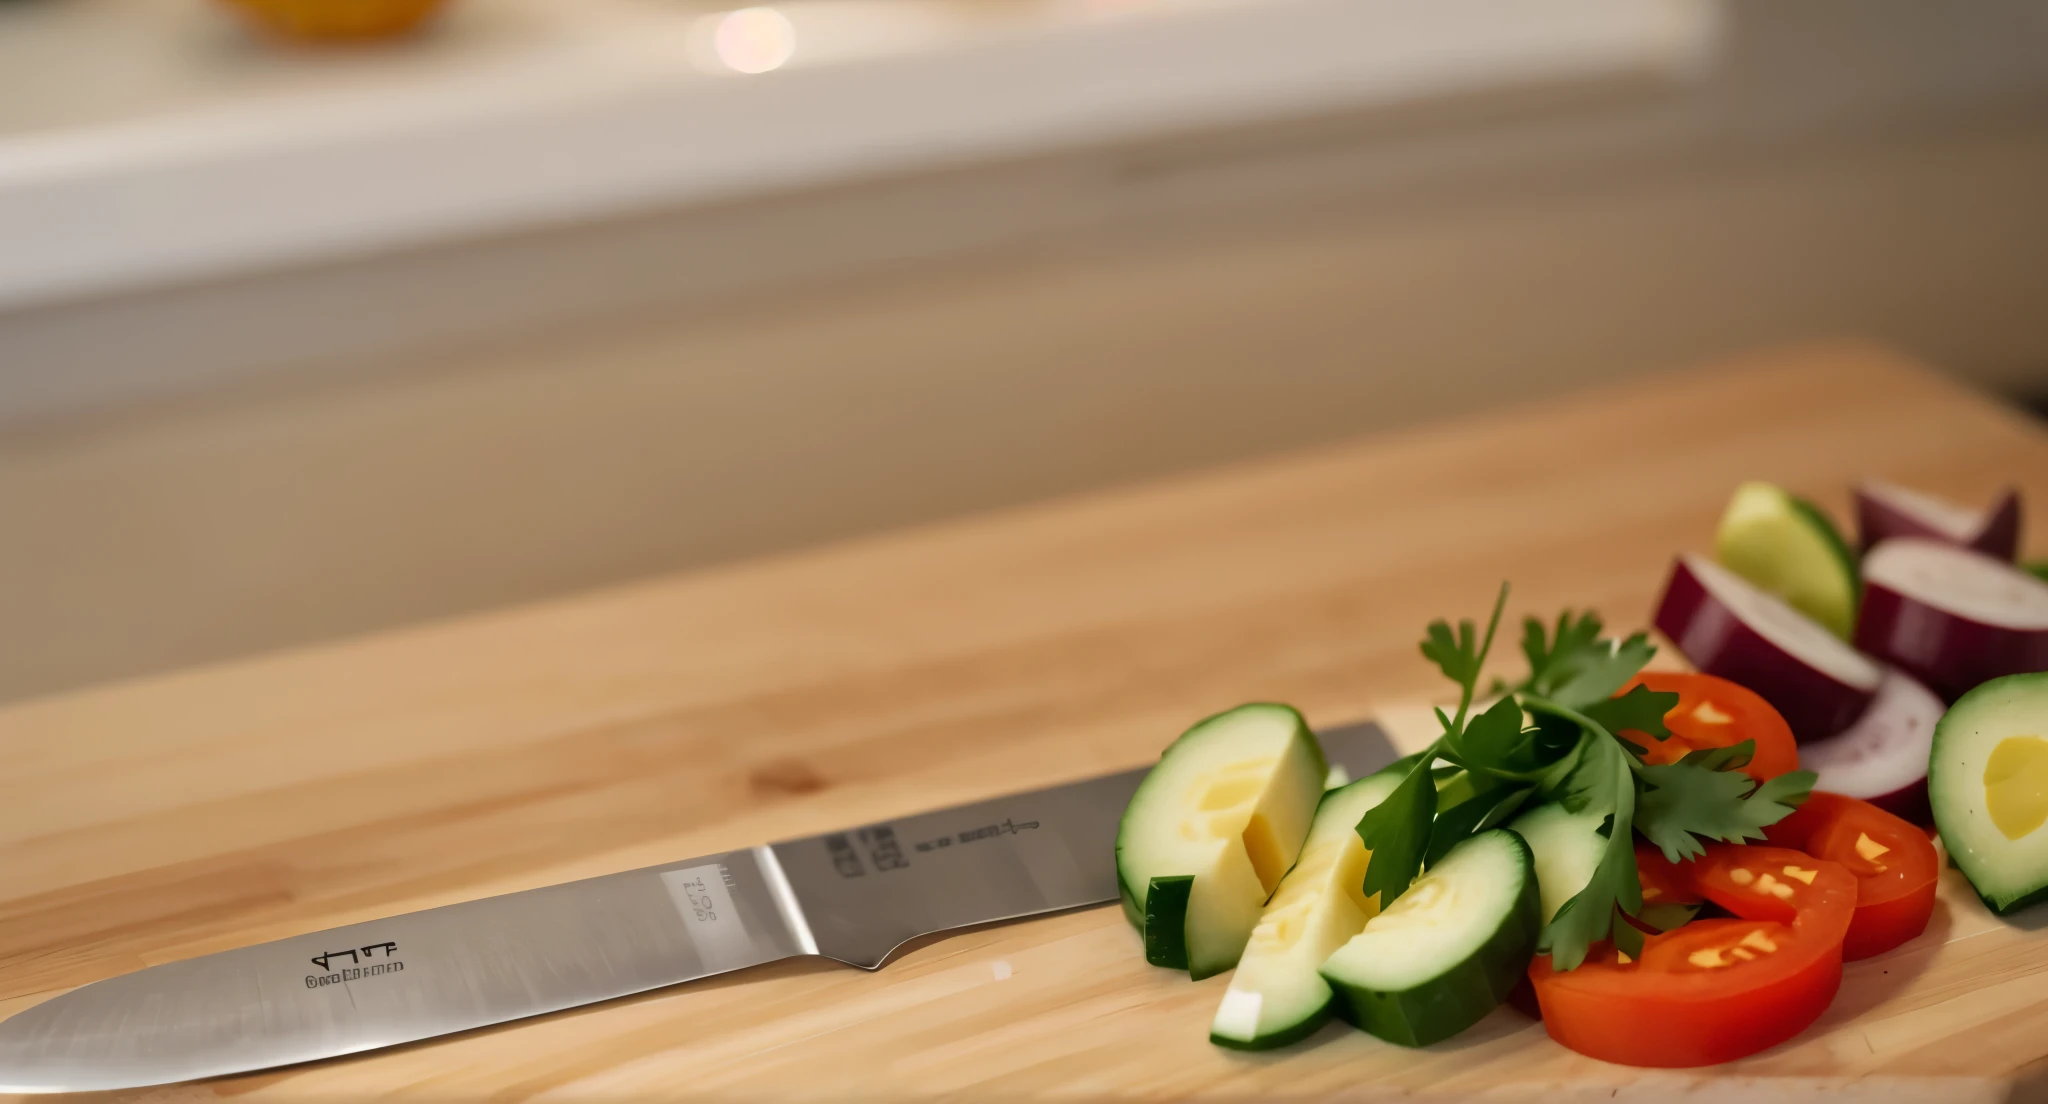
(160, 819)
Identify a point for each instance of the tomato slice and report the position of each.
(1711, 713)
(1664, 882)
(1895, 866)
(1713, 990)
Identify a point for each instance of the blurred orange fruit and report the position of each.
(339, 20)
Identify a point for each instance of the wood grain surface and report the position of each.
(151, 821)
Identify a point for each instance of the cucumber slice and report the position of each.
(1276, 996)
(1566, 847)
(2039, 568)
(1226, 807)
(1449, 950)
(1988, 783)
(1784, 544)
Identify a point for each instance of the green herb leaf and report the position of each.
(1505, 809)
(1397, 831)
(1576, 667)
(1550, 657)
(1489, 741)
(1481, 801)
(1732, 757)
(1496, 744)
(1667, 916)
(1703, 797)
(1788, 792)
(1640, 710)
(1460, 658)
(1578, 781)
(1596, 673)
(1457, 656)
(1627, 938)
(1555, 783)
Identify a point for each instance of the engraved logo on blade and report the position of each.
(974, 835)
(364, 962)
(882, 848)
(703, 895)
(844, 858)
(884, 853)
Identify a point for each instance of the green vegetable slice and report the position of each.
(1566, 849)
(1276, 996)
(1784, 544)
(1227, 807)
(1448, 951)
(1987, 780)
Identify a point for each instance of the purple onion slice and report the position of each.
(1729, 628)
(1950, 617)
(1882, 758)
(1885, 510)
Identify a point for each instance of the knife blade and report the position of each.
(852, 896)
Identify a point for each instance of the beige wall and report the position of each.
(255, 517)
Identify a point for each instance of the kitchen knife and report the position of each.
(852, 896)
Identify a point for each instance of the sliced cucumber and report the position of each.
(1211, 831)
(1784, 544)
(2039, 568)
(1449, 950)
(1988, 783)
(1566, 847)
(1276, 996)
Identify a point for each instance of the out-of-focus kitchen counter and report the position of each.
(1169, 234)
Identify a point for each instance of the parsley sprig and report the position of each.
(1556, 736)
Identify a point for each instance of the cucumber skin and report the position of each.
(1462, 995)
(1166, 920)
(2001, 906)
(2014, 905)
(1288, 1036)
(1850, 565)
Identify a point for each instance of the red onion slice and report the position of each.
(1950, 617)
(1882, 758)
(1729, 628)
(1885, 510)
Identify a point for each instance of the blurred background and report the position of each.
(324, 316)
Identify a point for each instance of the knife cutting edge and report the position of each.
(852, 896)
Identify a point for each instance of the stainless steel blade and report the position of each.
(408, 977)
(867, 891)
(853, 896)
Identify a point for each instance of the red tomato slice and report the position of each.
(1895, 866)
(1713, 712)
(1664, 882)
(1713, 990)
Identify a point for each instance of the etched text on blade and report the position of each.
(402, 979)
